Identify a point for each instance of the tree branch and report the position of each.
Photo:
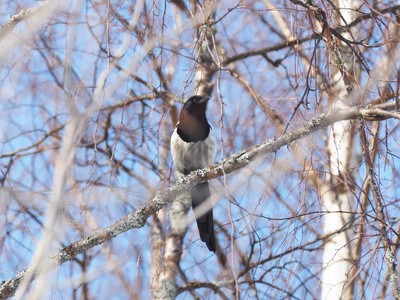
(19, 17)
(390, 257)
(138, 218)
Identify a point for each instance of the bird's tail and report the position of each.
(204, 217)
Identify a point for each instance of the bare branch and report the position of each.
(138, 218)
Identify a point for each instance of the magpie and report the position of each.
(193, 147)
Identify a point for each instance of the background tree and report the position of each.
(305, 108)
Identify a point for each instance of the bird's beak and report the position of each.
(204, 99)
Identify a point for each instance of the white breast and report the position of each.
(193, 156)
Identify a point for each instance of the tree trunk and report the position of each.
(337, 199)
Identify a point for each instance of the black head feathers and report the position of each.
(193, 125)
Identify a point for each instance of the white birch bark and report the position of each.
(336, 198)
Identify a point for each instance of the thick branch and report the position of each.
(138, 218)
(19, 17)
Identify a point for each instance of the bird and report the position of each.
(194, 147)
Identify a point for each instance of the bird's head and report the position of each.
(196, 105)
(193, 125)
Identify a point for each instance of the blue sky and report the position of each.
(265, 198)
